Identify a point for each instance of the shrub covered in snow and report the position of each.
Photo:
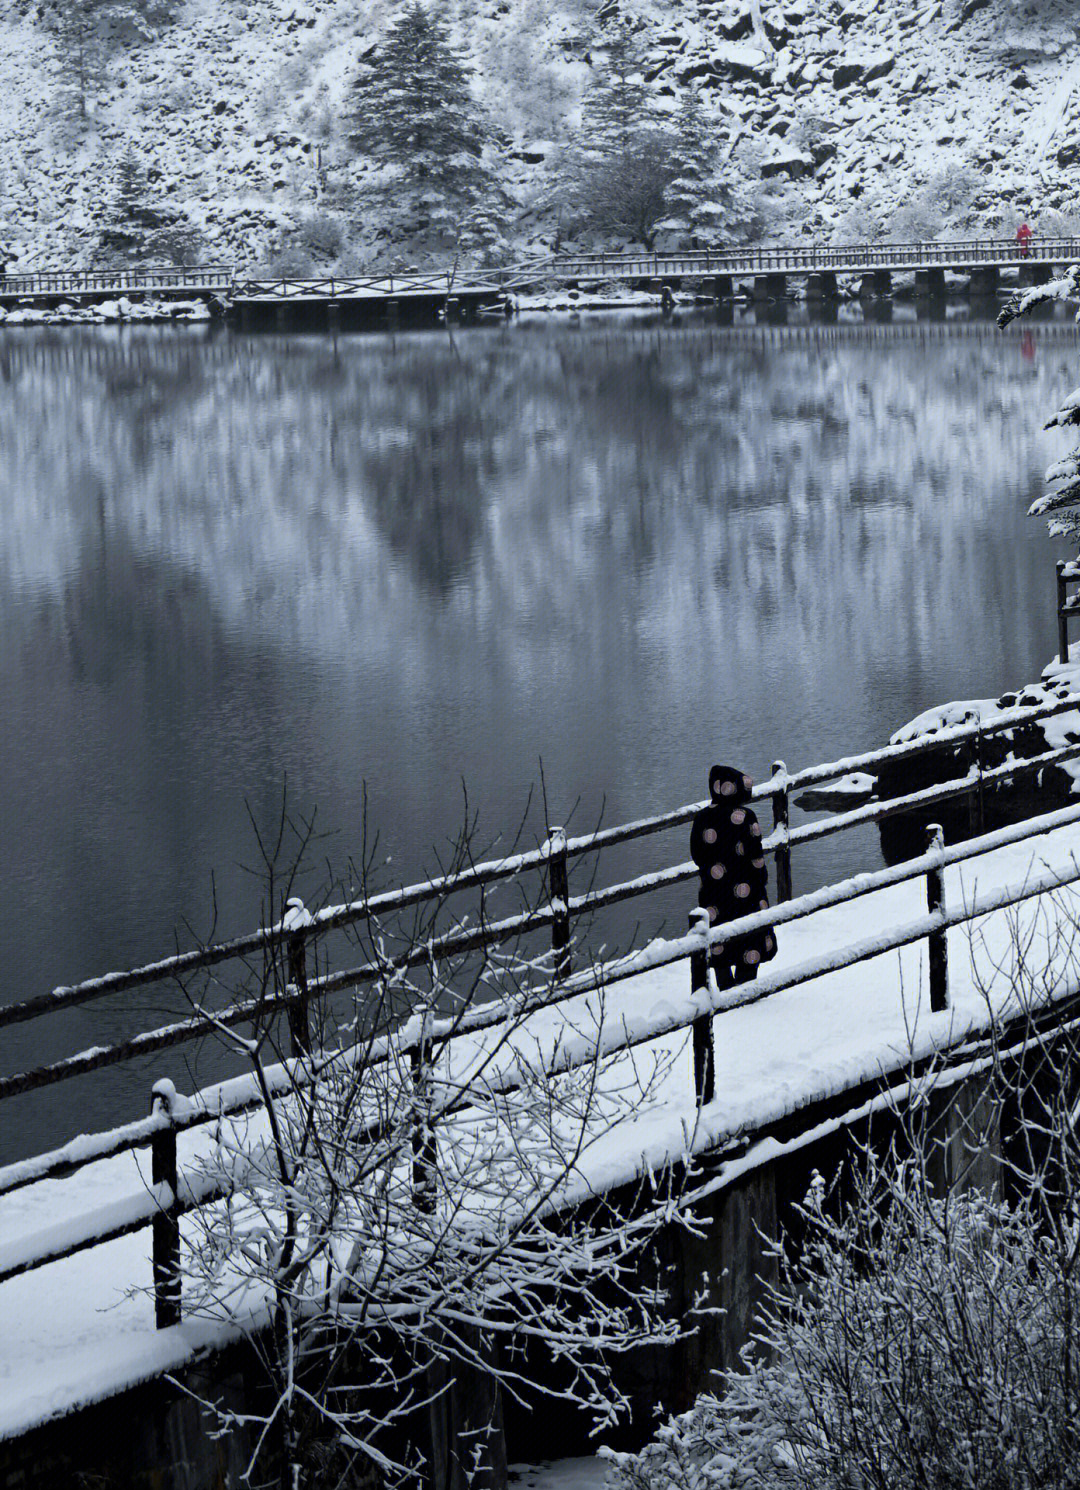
(917, 1339)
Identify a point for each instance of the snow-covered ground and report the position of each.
(74, 1332)
(844, 110)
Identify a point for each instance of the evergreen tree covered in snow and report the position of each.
(624, 159)
(87, 32)
(1060, 504)
(411, 112)
(692, 211)
(138, 229)
(616, 113)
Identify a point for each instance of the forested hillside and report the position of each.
(331, 134)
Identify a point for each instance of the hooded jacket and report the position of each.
(725, 844)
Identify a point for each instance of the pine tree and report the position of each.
(616, 108)
(411, 111)
(88, 31)
(692, 210)
(623, 162)
(136, 228)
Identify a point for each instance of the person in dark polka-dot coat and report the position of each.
(725, 844)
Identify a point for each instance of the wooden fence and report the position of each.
(298, 932)
(202, 277)
(797, 259)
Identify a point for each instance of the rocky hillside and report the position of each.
(847, 117)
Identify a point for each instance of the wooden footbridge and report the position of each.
(719, 273)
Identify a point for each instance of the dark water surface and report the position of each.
(622, 547)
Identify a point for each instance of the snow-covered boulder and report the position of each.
(737, 60)
(735, 21)
(855, 67)
(794, 164)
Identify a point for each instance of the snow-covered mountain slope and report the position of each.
(928, 115)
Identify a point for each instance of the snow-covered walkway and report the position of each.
(73, 1332)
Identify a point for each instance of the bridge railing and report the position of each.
(171, 1195)
(793, 258)
(97, 281)
(552, 861)
(796, 259)
(332, 287)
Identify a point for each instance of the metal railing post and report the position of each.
(165, 1226)
(559, 896)
(780, 810)
(938, 953)
(704, 1053)
(296, 918)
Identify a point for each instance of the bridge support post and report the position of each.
(877, 285)
(1036, 274)
(930, 284)
(559, 894)
(963, 1137)
(984, 282)
(937, 949)
(704, 1054)
(821, 287)
(730, 1260)
(333, 315)
(770, 287)
(281, 316)
(723, 287)
(165, 1227)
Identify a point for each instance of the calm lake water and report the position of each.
(620, 547)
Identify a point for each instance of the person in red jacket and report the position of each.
(725, 844)
(1023, 237)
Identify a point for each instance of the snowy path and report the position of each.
(71, 1333)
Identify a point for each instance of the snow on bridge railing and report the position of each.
(165, 1201)
(794, 259)
(551, 859)
(99, 281)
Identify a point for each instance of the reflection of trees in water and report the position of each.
(530, 465)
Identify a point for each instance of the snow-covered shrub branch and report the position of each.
(413, 1226)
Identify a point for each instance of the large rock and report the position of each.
(855, 67)
(793, 164)
(735, 21)
(737, 60)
